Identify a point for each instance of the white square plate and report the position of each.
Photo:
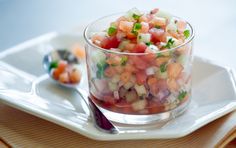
(25, 85)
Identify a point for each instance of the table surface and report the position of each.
(214, 20)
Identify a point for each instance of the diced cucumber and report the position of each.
(153, 48)
(115, 78)
(139, 105)
(144, 37)
(131, 96)
(162, 75)
(133, 14)
(123, 44)
(171, 27)
(128, 85)
(164, 14)
(182, 59)
(140, 89)
(113, 86)
(98, 56)
(151, 70)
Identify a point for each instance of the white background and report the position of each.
(214, 20)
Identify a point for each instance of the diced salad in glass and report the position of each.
(144, 66)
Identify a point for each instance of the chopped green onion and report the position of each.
(137, 26)
(53, 64)
(101, 67)
(134, 32)
(124, 60)
(149, 43)
(163, 67)
(186, 33)
(157, 27)
(182, 95)
(112, 30)
(135, 16)
(169, 44)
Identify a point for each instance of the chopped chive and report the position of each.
(124, 60)
(169, 44)
(135, 16)
(182, 95)
(53, 64)
(111, 30)
(186, 33)
(163, 67)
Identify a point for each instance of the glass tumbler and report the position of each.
(138, 88)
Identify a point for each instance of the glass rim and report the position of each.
(129, 53)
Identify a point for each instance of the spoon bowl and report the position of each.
(99, 119)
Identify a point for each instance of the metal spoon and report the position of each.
(98, 118)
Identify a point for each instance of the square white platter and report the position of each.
(25, 85)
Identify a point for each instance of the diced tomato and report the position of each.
(110, 42)
(64, 77)
(130, 68)
(75, 76)
(155, 107)
(139, 48)
(124, 107)
(149, 58)
(156, 35)
(56, 73)
(109, 100)
(141, 77)
(130, 35)
(138, 62)
(62, 66)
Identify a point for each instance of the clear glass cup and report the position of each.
(138, 88)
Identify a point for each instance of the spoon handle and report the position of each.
(99, 119)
